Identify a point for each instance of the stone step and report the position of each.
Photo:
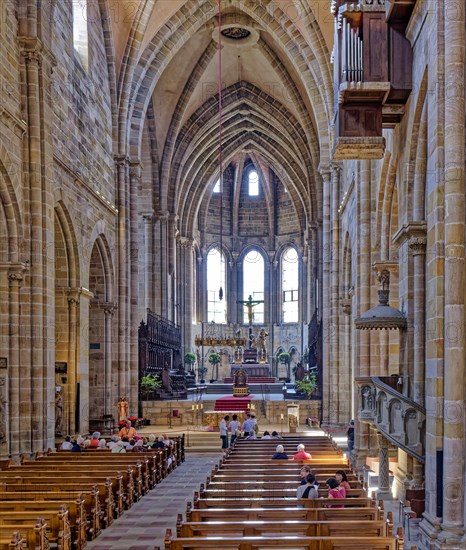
(227, 389)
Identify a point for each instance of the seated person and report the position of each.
(252, 435)
(275, 435)
(159, 444)
(67, 445)
(280, 453)
(304, 472)
(119, 447)
(334, 491)
(301, 454)
(340, 476)
(128, 431)
(266, 435)
(151, 441)
(113, 441)
(95, 440)
(76, 447)
(102, 444)
(309, 489)
(138, 447)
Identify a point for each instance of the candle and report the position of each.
(192, 407)
(281, 416)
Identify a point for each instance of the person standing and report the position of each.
(350, 436)
(248, 424)
(224, 432)
(233, 426)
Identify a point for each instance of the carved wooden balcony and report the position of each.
(372, 71)
(398, 418)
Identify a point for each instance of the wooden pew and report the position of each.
(293, 543)
(33, 535)
(11, 541)
(302, 528)
(281, 502)
(277, 514)
(263, 488)
(57, 523)
(76, 514)
(40, 493)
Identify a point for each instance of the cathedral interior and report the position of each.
(177, 176)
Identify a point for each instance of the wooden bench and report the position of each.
(57, 524)
(277, 514)
(281, 502)
(302, 528)
(76, 514)
(293, 543)
(32, 535)
(259, 489)
(38, 494)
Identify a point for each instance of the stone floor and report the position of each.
(143, 526)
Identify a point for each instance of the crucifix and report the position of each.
(250, 303)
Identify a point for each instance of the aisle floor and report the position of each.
(143, 526)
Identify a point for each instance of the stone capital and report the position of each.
(418, 245)
(185, 242)
(109, 309)
(346, 305)
(121, 160)
(409, 231)
(147, 217)
(73, 296)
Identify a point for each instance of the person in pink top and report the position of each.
(301, 454)
(335, 491)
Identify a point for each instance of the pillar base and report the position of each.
(429, 529)
(449, 538)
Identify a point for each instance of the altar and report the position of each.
(255, 370)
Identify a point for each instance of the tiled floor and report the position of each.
(143, 526)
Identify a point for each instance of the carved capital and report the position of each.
(15, 276)
(346, 305)
(185, 242)
(109, 309)
(121, 160)
(409, 231)
(147, 217)
(73, 296)
(30, 49)
(418, 245)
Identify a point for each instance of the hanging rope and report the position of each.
(220, 144)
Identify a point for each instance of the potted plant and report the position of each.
(201, 372)
(190, 359)
(214, 359)
(149, 383)
(307, 385)
(285, 358)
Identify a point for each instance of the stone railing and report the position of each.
(396, 417)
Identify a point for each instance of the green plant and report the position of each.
(284, 357)
(307, 385)
(190, 358)
(150, 382)
(214, 358)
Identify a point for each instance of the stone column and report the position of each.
(172, 294)
(135, 169)
(345, 345)
(326, 318)
(70, 404)
(418, 247)
(335, 385)
(42, 416)
(109, 311)
(454, 340)
(363, 297)
(122, 164)
(185, 276)
(384, 492)
(148, 263)
(13, 411)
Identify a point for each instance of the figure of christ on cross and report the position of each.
(250, 303)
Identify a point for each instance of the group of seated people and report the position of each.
(120, 443)
(309, 486)
(280, 454)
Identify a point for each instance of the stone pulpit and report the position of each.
(240, 383)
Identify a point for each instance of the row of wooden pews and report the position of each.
(65, 498)
(249, 503)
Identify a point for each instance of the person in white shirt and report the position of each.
(224, 432)
(266, 435)
(66, 445)
(233, 426)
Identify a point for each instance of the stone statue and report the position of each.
(262, 340)
(58, 411)
(123, 408)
